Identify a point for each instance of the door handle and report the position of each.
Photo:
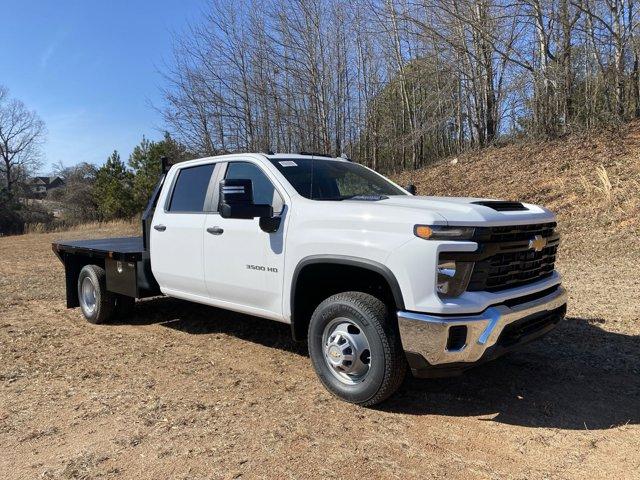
(160, 228)
(215, 230)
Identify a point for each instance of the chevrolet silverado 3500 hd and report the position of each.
(375, 278)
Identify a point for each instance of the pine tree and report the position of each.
(146, 164)
(113, 190)
(11, 221)
(145, 161)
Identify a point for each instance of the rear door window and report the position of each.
(190, 189)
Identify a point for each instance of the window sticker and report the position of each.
(288, 163)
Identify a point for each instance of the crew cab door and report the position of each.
(177, 233)
(243, 265)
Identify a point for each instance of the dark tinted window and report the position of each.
(263, 190)
(191, 189)
(320, 179)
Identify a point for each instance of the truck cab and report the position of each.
(376, 280)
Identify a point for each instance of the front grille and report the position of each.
(513, 269)
(528, 327)
(514, 233)
(510, 261)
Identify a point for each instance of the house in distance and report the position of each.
(41, 185)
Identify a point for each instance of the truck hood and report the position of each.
(462, 211)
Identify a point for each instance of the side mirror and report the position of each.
(270, 224)
(411, 188)
(236, 200)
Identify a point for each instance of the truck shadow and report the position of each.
(578, 377)
(195, 319)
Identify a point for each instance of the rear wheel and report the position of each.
(96, 303)
(355, 348)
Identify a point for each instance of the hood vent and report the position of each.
(502, 206)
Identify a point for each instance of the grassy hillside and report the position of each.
(592, 182)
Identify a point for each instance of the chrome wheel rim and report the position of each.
(346, 351)
(88, 296)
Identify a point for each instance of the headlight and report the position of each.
(453, 277)
(439, 232)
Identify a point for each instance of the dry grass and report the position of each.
(115, 225)
(605, 187)
(183, 391)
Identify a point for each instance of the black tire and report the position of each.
(124, 306)
(387, 360)
(105, 303)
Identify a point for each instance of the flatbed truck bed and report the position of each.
(119, 248)
(125, 260)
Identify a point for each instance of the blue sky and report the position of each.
(90, 69)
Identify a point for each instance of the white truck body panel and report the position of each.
(179, 268)
(194, 265)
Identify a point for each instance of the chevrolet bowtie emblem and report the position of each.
(538, 243)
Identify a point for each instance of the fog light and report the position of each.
(453, 277)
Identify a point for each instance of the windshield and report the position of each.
(322, 179)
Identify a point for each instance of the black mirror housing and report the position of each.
(412, 189)
(236, 200)
(270, 224)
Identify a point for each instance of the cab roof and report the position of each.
(301, 156)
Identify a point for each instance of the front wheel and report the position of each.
(355, 348)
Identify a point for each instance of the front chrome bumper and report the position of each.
(427, 335)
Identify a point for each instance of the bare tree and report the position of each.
(21, 134)
(399, 83)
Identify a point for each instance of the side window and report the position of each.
(190, 189)
(263, 190)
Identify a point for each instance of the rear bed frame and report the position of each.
(125, 261)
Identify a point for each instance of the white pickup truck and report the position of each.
(374, 278)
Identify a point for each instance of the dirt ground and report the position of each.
(183, 391)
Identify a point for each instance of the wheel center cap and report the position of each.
(335, 355)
